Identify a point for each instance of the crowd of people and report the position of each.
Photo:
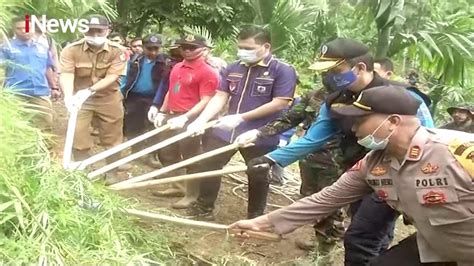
(370, 142)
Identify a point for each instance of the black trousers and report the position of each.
(258, 185)
(405, 253)
(181, 150)
(136, 119)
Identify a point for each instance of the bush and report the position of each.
(50, 216)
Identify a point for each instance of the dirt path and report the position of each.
(202, 246)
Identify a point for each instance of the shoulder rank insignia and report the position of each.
(378, 171)
(414, 152)
(434, 197)
(429, 169)
(463, 152)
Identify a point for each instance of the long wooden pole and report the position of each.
(100, 156)
(145, 151)
(175, 166)
(199, 224)
(225, 171)
(71, 130)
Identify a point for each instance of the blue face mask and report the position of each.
(371, 143)
(343, 80)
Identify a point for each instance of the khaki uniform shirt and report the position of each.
(433, 186)
(89, 67)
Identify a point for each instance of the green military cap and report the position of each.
(383, 100)
(194, 40)
(467, 108)
(337, 51)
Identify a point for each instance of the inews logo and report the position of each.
(32, 22)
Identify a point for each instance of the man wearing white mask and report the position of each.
(90, 69)
(257, 87)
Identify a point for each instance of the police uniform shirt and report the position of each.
(433, 186)
(89, 67)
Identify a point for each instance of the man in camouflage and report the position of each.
(463, 117)
(317, 170)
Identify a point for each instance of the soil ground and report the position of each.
(204, 247)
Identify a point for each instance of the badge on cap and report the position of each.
(429, 168)
(190, 38)
(324, 50)
(94, 21)
(434, 197)
(153, 39)
(378, 171)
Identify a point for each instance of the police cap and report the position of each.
(194, 40)
(98, 22)
(153, 40)
(382, 100)
(335, 52)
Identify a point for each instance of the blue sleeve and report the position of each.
(318, 134)
(123, 83)
(423, 112)
(161, 92)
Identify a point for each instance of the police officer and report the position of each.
(90, 69)
(350, 68)
(426, 174)
(257, 88)
(26, 63)
(463, 117)
(145, 74)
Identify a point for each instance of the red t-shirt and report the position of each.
(189, 81)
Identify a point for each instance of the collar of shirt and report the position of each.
(18, 42)
(193, 64)
(265, 62)
(106, 47)
(415, 150)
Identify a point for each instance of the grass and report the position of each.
(52, 217)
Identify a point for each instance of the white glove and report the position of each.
(152, 112)
(178, 122)
(197, 127)
(159, 119)
(229, 122)
(81, 96)
(69, 103)
(282, 143)
(247, 138)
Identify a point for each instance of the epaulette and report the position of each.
(463, 152)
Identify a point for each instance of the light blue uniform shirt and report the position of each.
(25, 67)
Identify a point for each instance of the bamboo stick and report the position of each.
(145, 151)
(200, 224)
(175, 166)
(225, 171)
(100, 156)
(71, 130)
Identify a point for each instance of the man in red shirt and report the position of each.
(192, 84)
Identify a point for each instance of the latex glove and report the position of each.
(229, 122)
(159, 119)
(81, 96)
(260, 167)
(197, 127)
(282, 143)
(178, 122)
(152, 113)
(247, 138)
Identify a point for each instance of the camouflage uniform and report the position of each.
(467, 126)
(317, 170)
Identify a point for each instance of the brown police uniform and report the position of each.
(433, 186)
(88, 68)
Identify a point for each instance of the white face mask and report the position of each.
(247, 56)
(95, 41)
(371, 143)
